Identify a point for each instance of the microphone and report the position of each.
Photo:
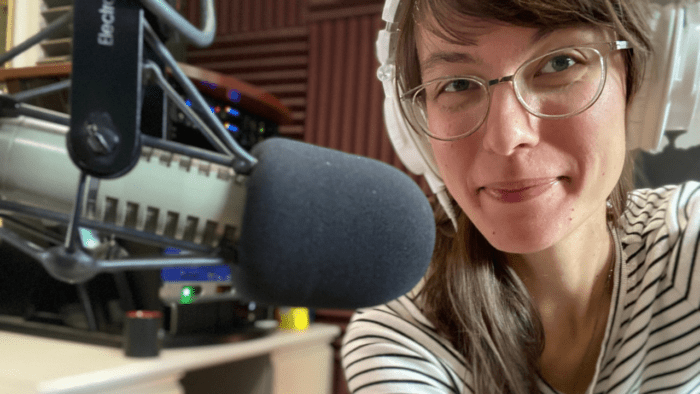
(310, 226)
(166, 196)
(327, 229)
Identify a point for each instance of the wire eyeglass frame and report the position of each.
(413, 109)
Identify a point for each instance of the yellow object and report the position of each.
(294, 318)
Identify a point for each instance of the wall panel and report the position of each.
(317, 57)
(262, 42)
(245, 16)
(344, 98)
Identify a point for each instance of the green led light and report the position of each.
(89, 240)
(187, 295)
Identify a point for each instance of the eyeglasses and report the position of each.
(560, 84)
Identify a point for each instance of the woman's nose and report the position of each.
(508, 125)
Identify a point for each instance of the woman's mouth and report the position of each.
(519, 191)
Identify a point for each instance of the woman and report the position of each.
(558, 277)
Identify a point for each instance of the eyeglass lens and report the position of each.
(558, 84)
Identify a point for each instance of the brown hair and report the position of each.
(471, 294)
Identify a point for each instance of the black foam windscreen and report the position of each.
(327, 229)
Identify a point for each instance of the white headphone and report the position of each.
(667, 100)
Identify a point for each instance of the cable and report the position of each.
(201, 38)
(35, 39)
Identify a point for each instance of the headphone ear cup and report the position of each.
(668, 98)
(684, 74)
(647, 112)
(412, 148)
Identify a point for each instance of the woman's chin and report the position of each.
(518, 240)
(515, 246)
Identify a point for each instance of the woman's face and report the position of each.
(527, 182)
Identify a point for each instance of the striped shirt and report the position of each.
(652, 338)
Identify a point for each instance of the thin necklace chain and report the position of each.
(606, 288)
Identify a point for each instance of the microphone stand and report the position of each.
(103, 142)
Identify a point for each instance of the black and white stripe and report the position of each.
(652, 341)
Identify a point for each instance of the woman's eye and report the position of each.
(557, 64)
(458, 85)
(451, 90)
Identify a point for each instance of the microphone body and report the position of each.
(310, 226)
(165, 194)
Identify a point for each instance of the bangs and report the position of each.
(460, 21)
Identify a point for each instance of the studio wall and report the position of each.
(317, 57)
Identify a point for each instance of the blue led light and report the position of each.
(212, 273)
(234, 112)
(188, 103)
(234, 95)
(171, 251)
(232, 128)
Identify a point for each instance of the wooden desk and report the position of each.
(301, 363)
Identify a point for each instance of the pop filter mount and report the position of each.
(110, 68)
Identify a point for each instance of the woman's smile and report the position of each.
(518, 191)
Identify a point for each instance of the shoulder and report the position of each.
(661, 230)
(659, 214)
(654, 330)
(668, 203)
(393, 348)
